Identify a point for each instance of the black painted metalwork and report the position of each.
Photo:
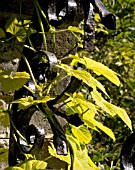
(58, 12)
(127, 155)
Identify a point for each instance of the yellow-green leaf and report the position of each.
(99, 125)
(104, 129)
(27, 165)
(91, 163)
(82, 134)
(98, 68)
(4, 155)
(28, 101)
(75, 29)
(102, 69)
(81, 158)
(14, 168)
(19, 29)
(4, 119)
(12, 82)
(31, 165)
(84, 76)
(11, 25)
(78, 104)
(39, 165)
(2, 33)
(110, 108)
(52, 151)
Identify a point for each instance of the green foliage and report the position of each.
(82, 134)
(24, 103)
(93, 100)
(2, 33)
(111, 109)
(15, 80)
(4, 155)
(84, 76)
(97, 68)
(4, 118)
(75, 29)
(19, 29)
(29, 164)
(81, 158)
(116, 50)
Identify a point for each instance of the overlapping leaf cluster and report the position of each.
(88, 108)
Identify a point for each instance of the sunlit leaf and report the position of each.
(110, 108)
(78, 104)
(91, 163)
(75, 29)
(28, 101)
(39, 165)
(99, 125)
(18, 28)
(14, 168)
(81, 158)
(12, 82)
(102, 69)
(84, 76)
(82, 134)
(11, 25)
(97, 17)
(33, 164)
(29, 165)
(52, 151)
(98, 68)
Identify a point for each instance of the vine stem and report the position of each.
(14, 127)
(40, 9)
(31, 91)
(56, 31)
(26, 61)
(49, 114)
(41, 25)
(30, 70)
(17, 131)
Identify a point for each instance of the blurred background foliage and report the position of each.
(116, 49)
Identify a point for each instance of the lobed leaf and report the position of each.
(82, 134)
(33, 164)
(97, 67)
(92, 122)
(78, 104)
(81, 158)
(52, 151)
(14, 168)
(18, 28)
(110, 108)
(26, 102)
(84, 76)
(14, 82)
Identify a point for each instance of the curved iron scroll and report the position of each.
(58, 12)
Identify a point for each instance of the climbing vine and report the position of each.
(88, 100)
